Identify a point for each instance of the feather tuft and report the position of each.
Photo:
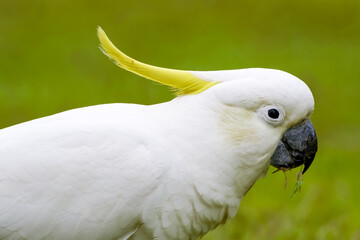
(182, 80)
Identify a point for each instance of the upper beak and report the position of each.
(298, 146)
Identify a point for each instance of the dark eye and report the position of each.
(273, 113)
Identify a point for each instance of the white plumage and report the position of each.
(168, 171)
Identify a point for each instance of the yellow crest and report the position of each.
(184, 81)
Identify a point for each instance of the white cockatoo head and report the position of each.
(278, 103)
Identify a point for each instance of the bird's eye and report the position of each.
(273, 113)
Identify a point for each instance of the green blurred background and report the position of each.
(50, 62)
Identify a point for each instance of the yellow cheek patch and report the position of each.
(183, 81)
(235, 123)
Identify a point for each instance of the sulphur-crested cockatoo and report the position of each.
(174, 170)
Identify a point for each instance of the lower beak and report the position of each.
(298, 146)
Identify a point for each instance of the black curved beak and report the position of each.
(298, 146)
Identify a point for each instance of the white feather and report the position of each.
(169, 171)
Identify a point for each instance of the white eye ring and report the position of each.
(272, 114)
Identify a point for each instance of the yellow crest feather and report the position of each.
(182, 80)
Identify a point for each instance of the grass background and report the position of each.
(50, 62)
